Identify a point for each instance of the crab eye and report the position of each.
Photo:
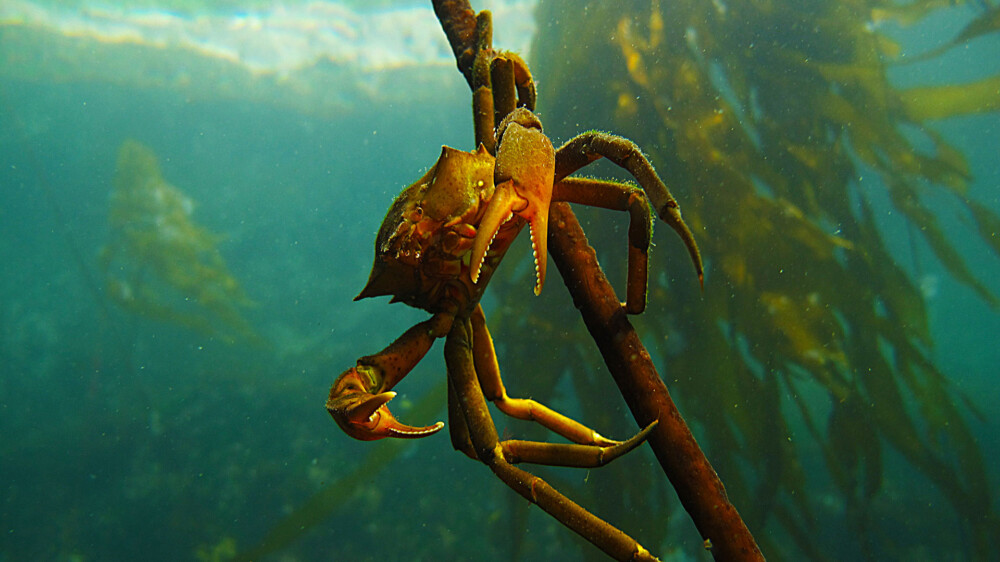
(415, 214)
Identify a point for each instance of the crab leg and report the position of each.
(483, 115)
(571, 455)
(486, 444)
(549, 454)
(500, 82)
(504, 90)
(458, 429)
(488, 372)
(592, 449)
(594, 145)
(618, 197)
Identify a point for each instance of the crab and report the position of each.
(443, 238)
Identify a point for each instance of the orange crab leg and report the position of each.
(488, 448)
(488, 372)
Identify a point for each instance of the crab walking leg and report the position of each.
(618, 197)
(567, 454)
(534, 452)
(592, 449)
(458, 430)
(485, 442)
(500, 83)
(594, 145)
(512, 84)
(483, 119)
(523, 81)
(504, 90)
(488, 372)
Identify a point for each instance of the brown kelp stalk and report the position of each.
(696, 482)
(698, 486)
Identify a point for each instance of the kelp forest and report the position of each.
(805, 362)
(191, 201)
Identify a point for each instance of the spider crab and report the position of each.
(439, 244)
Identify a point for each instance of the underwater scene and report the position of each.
(190, 195)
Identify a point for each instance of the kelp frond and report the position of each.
(763, 117)
(159, 263)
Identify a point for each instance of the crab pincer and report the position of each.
(524, 175)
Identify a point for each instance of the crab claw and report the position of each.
(524, 174)
(364, 415)
(506, 203)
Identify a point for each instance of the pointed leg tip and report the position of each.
(641, 437)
